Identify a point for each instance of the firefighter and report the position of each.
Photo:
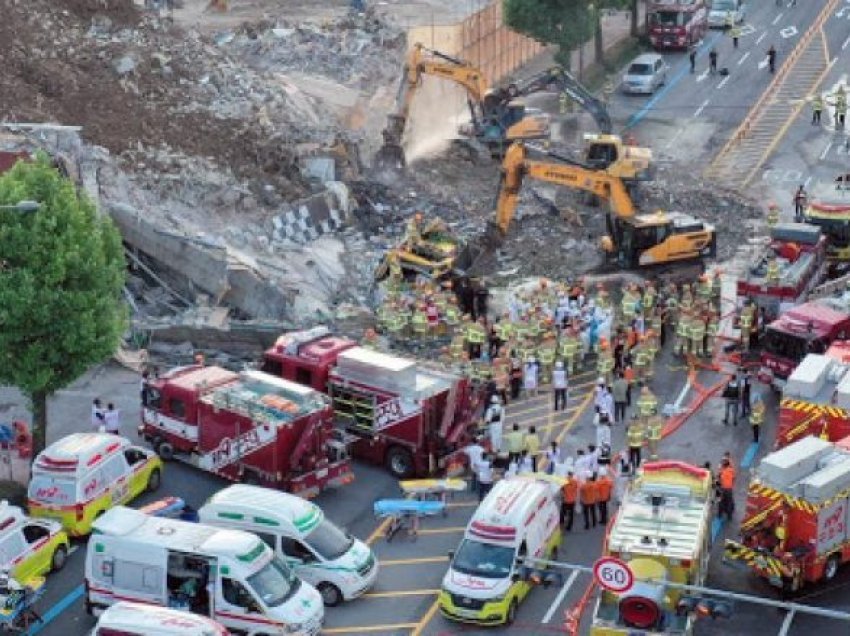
(717, 287)
(628, 305)
(476, 336)
(772, 271)
(647, 403)
(654, 429)
(634, 438)
(704, 289)
(672, 306)
(569, 350)
(569, 492)
(696, 331)
(746, 324)
(711, 331)
(772, 214)
(682, 334)
(640, 358)
(781, 531)
(548, 352)
(605, 364)
(419, 322)
(397, 321)
(757, 418)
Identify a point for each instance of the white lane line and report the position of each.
(678, 403)
(764, 63)
(723, 81)
(777, 19)
(701, 108)
(806, 182)
(674, 138)
(761, 37)
(846, 43)
(826, 151)
(702, 75)
(743, 58)
(560, 598)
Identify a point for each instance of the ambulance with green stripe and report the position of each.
(338, 565)
(79, 477)
(517, 522)
(227, 575)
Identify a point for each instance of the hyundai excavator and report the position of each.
(634, 240)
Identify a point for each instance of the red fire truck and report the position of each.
(676, 24)
(249, 427)
(392, 411)
(795, 527)
(807, 328)
(798, 252)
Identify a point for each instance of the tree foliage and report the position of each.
(565, 23)
(61, 276)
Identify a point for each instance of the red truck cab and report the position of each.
(306, 357)
(676, 24)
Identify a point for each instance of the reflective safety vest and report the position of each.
(746, 320)
(475, 333)
(757, 414)
(605, 364)
(504, 329)
(452, 316)
(628, 305)
(383, 315)
(772, 273)
(635, 436)
(712, 328)
(647, 404)
(526, 352)
(682, 328)
(772, 216)
(419, 322)
(672, 303)
(640, 356)
(655, 323)
(456, 348)
(648, 299)
(534, 329)
(704, 289)
(697, 330)
(522, 331)
(651, 348)
(654, 429)
(687, 302)
(569, 347)
(547, 354)
(396, 322)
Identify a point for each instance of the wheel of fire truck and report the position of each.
(330, 594)
(154, 480)
(165, 451)
(831, 567)
(510, 617)
(399, 462)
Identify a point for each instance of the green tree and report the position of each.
(565, 23)
(61, 278)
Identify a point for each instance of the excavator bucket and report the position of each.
(390, 156)
(475, 249)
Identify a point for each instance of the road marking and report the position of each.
(744, 58)
(788, 32)
(723, 82)
(682, 394)
(401, 593)
(378, 532)
(777, 19)
(417, 630)
(761, 37)
(438, 559)
(764, 63)
(370, 628)
(806, 182)
(846, 43)
(545, 405)
(674, 137)
(560, 598)
(56, 610)
(750, 455)
(716, 526)
(701, 108)
(703, 75)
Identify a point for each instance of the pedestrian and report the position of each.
(726, 480)
(588, 497)
(634, 438)
(712, 61)
(619, 392)
(474, 453)
(732, 396)
(692, 56)
(745, 388)
(529, 378)
(97, 414)
(531, 445)
(495, 420)
(608, 403)
(560, 384)
(735, 33)
(514, 441)
(771, 58)
(553, 457)
(111, 420)
(604, 488)
(144, 386)
(800, 199)
(603, 432)
(516, 377)
(484, 474)
(569, 495)
(817, 109)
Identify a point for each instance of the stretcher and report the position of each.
(432, 489)
(17, 612)
(170, 508)
(404, 514)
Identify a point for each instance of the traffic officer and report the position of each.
(757, 418)
(634, 438)
(817, 108)
(654, 429)
(734, 33)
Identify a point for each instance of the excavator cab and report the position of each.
(658, 238)
(618, 159)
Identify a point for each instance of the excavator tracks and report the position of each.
(740, 160)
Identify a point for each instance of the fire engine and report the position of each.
(663, 531)
(794, 529)
(798, 253)
(834, 220)
(808, 328)
(816, 399)
(247, 426)
(676, 24)
(391, 411)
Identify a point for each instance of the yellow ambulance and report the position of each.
(30, 548)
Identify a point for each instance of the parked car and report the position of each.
(722, 10)
(645, 74)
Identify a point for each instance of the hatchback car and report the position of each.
(645, 74)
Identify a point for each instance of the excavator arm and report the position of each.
(516, 167)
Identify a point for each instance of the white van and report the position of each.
(518, 518)
(228, 575)
(338, 565)
(136, 619)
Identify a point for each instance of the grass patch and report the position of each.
(596, 75)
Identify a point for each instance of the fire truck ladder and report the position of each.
(738, 162)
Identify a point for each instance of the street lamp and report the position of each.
(23, 206)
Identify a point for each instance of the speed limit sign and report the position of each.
(614, 575)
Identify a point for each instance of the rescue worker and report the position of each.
(654, 429)
(734, 33)
(634, 438)
(605, 364)
(475, 335)
(560, 385)
(647, 403)
(514, 441)
(711, 331)
(589, 497)
(640, 357)
(757, 418)
(696, 331)
(548, 351)
(682, 335)
(569, 492)
(817, 109)
(569, 350)
(419, 322)
(800, 199)
(746, 325)
(772, 214)
(494, 418)
(604, 490)
(726, 480)
(531, 445)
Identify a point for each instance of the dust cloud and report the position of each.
(438, 109)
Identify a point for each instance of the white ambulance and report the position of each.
(519, 519)
(136, 619)
(228, 575)
(338, 565)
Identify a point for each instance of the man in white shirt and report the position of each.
(559, 383)
(495, 419)
(111, 420)
(475, 453)
(97, 415)
(484, 474)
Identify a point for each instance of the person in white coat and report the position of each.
(529, 378)
(560, 385)
(494, 417)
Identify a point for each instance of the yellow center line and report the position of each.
(401, 593)
(425, 619)
(548, 406)
(378, 532)
(436, 559)
(567, 426)
(368, 628)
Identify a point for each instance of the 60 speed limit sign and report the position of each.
(614, 575)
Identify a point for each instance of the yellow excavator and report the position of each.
(634, 240)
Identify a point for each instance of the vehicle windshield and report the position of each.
(723, 5)
(328, 541)
(640, 69)
(274, 583)
(483, 559)
(667, 18)
(789, 346)
(50, 490)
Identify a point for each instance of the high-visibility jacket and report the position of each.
(452, 316)
(396, 322)
(697, 329)
(456, 347)
(547, 354)
(746, 320)
(727, 478)
(532, 443)
(504, 329)
(640, 357)
(513, 441)
(712, 328)
(647, 404)
(570, 490)
(475, 333)
(635, 436)
(682, 329)
(605, 364)
(419, 322)
(604, 487)
(654, 429)
(569, 347)
(757, 414)
(588, 493)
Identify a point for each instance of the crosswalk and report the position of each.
(758, 135)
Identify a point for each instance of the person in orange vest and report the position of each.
(604, 488)
(569, 494)
(588, 496)
(726, 480)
